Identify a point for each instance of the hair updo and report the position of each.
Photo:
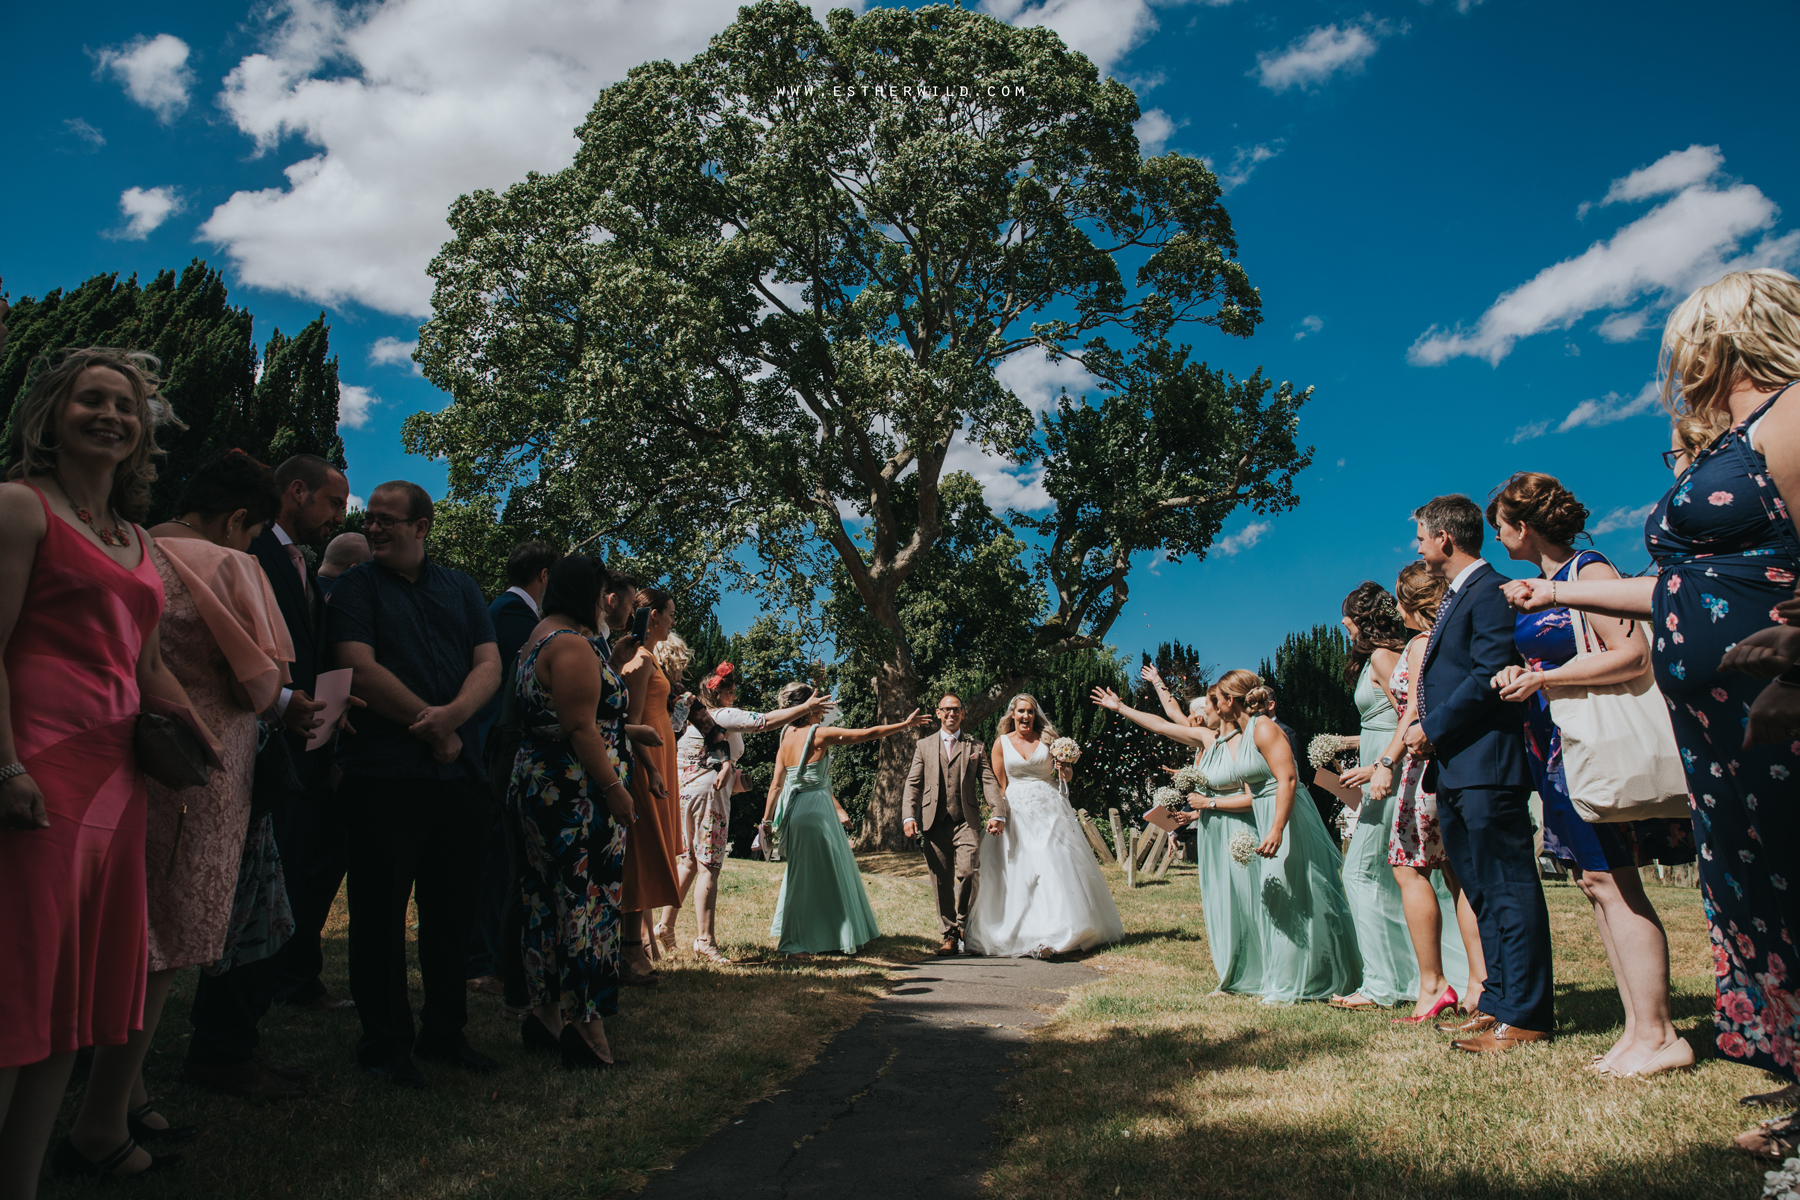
(793, 693)
(1378, 624)
(1540, 503)
(1420, 592)
(1240, 690)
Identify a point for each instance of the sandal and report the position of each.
(70, 1163)
(1354, 1002)
(665, 934)
(1780, 1098)
(134, 1125)
(711, 953)
(1775, 1138)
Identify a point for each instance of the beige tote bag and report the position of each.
(1618, 746)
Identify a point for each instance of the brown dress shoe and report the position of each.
(299, 1075)
(1476, 1022)
(949, 946)
(1499, 1039)
(329, 1002)
(244, 1079)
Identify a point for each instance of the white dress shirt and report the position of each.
(524, 595)
(1462, 576)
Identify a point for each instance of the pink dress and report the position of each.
(73, 946)
(1416, 841)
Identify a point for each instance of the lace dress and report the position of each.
(1039, 888)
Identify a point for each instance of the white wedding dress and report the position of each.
(1039, 888)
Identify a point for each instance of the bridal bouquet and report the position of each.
(1243, 849)
(1190, 779)
(1065, 750)
(1325, 749)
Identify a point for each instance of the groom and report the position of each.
(1483, 780)
(941, 799)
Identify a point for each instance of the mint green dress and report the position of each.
(1390, 967)
(1229, 893)
(823, 907)
(1307, 939)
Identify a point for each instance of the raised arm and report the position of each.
(1153, 677)
(1628, 599)
(851, 737)
(1187, 735)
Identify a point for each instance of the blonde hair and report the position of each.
(1243, 690)
(35, 417)
(1743, 327)
(1697, 431)
(1420, 592)
(1007, 724)
(673, 656)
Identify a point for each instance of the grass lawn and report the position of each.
(701, 1047)
(1144, 1086)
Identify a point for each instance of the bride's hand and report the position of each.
(995, 825)
(1066, 771)
(1106, 698)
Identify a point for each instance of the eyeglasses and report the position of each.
(383, 521)
(948, 709)
(1672, 459)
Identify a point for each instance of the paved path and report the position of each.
(897, 1105)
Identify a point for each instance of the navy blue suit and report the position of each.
(1483, 783)
(495, 945)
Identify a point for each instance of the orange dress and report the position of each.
(653, 841)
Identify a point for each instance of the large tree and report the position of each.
(209, 361)
(771, 294)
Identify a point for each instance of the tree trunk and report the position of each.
(896, 695)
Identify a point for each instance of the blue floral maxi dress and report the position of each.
(574, 849)
(1726, 554)
(1547, 640)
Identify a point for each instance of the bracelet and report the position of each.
(11, 771)
(1553, 592)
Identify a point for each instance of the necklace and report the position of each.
(109, 536)
(182, 523)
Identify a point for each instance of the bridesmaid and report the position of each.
(80, 599)
(1434, 907)
(1390, 968)
(823, 907)
(1229, 893)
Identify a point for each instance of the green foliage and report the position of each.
(1308, 678)
(754, 306)
(209, 359)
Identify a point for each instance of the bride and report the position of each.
(1040, 891)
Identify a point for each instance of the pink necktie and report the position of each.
(300, 566)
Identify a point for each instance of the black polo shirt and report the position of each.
(425, 632)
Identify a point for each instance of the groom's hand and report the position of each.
(996, 825)
(910, 828)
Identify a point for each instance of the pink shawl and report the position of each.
(234, 599)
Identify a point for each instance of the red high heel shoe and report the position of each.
(1445, 1001)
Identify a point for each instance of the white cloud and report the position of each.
(1698, 234)
(1104, 30)
(1038, 383)
(355, 405)
(1244, 160)
(355, 503)
(408, 104)
(1312, 60)
(1612, 407)
(1528, 431)
(144, 209)
(154, 72)
(1243, 539)
(1669, 174)
(1622, 326)
(391, 351)
(1308, 326)
(1621, 518)
(1154, 129)
(79, 129)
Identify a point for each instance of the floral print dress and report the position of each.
(1726, 555)
(574, 849)
(1416, 840)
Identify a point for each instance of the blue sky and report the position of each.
(1467, 220)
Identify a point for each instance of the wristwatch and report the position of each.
(1385, 761)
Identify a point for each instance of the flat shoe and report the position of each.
(70, 1163)
(1775, 1138)
(140, 1132)
(1347, 1002)
(1676, 1056)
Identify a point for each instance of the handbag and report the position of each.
(1620, 758)
(169, 751)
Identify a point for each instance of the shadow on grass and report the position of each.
(1589, 1008)
(1176, 1113)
